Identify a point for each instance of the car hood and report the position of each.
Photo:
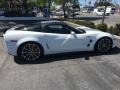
(91, 31)
(96, 33)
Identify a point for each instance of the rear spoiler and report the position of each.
(5, 29)
(8, 28)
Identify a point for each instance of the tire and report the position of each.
(103, 45)
(30, 52)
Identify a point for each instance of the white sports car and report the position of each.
(50, 37)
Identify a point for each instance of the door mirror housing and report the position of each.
(73, 33)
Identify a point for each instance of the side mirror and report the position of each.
(73, 33)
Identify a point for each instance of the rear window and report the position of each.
(113, 9)
(100, 10)
(31, 27)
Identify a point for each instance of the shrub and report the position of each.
(111, 30)
(84, 23)
(87, 23)
(117, 29)
(118, 34)
(102, 27)
(114, 30)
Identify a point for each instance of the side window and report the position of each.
(56, 28)
(35, 28)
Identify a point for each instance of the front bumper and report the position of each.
(115, 43)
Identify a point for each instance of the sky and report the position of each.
(92, 1)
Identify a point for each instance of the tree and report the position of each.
(41, 3)
(60, 2)
(32, 3)
(104, 3)
(63, 3)
(1, 3)
(12, 7)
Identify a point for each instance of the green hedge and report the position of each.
(114, 30)
(84, 23)
(111, 29)
(103, 27)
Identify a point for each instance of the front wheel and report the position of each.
(103, 45)
(29, 52)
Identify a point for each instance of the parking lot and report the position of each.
(109, 20)
(72, 71)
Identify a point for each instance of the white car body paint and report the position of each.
(55, 43)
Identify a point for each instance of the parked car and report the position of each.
(100, 12)
(76, 15)
(59, 13)
(112, 10)
(1, 13)
(86, 10)
(50, 37)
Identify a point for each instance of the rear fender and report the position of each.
(23, 40)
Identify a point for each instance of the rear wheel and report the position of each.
(30, 51)
(103, 45)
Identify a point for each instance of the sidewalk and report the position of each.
(21, 18)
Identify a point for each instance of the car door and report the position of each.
(60, 38)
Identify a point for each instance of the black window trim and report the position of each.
(63, 24)
(53, 24)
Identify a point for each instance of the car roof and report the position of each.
(47, 22)
(51, 21)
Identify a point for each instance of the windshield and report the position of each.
(75, 28)
(81, 30)
(100, 10)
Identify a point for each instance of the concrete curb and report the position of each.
(22, 18)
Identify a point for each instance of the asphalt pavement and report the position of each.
(71, 71)
(109, 20)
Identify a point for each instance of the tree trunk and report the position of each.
(64, 9)
(25, 6)
(49, 6)
(103, 19)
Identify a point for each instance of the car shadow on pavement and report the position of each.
(67, 56)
